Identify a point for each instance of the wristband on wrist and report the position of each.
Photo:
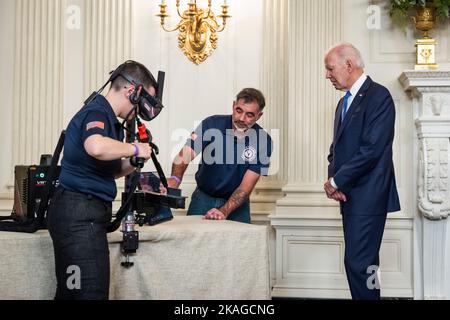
(178, 180)
(136, 150)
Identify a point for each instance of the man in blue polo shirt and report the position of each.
(81, 209)
(235, 153)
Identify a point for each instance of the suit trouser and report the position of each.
(77, 225)
(363, 235)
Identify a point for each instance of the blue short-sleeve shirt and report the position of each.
(226, 158)
(79, 171)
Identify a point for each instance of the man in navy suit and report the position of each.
(361, 171)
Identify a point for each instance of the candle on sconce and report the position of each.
(224, 2)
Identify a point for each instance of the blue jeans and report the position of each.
(201, 203)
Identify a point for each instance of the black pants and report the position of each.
(77, 225)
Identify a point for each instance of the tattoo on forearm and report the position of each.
(236, 200)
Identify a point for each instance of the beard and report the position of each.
(240, 127)
(240, 130)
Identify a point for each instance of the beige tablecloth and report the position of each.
(186, 258)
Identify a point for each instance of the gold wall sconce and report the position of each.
(198, 28)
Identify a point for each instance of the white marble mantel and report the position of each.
(425, 79)
(430, 92)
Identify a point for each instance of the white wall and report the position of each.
(74, 36)
(7, 28)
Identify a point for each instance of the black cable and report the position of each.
(160, 171)
(133, 134)
(115, 224)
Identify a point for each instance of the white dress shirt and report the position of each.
(355, 88)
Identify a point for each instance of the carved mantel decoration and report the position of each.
(433, 185)
(431, 93)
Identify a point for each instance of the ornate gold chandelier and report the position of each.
(198, 29)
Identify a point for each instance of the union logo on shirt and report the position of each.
(95, 124)
(249, 154)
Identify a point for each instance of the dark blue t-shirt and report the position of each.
(226, 158)
(80, 172)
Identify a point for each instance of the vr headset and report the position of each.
(148, 107)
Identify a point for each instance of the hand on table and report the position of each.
(215, 214)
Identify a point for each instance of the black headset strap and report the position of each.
(114, 75)
(129, 79)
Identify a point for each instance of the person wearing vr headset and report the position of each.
(235, 153)
(94, 156)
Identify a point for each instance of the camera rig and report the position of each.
(143, 207)
(138, 206)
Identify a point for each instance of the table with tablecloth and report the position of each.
(186, 258)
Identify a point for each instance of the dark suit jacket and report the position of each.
(361, 153)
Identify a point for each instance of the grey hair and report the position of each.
(347, 51)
